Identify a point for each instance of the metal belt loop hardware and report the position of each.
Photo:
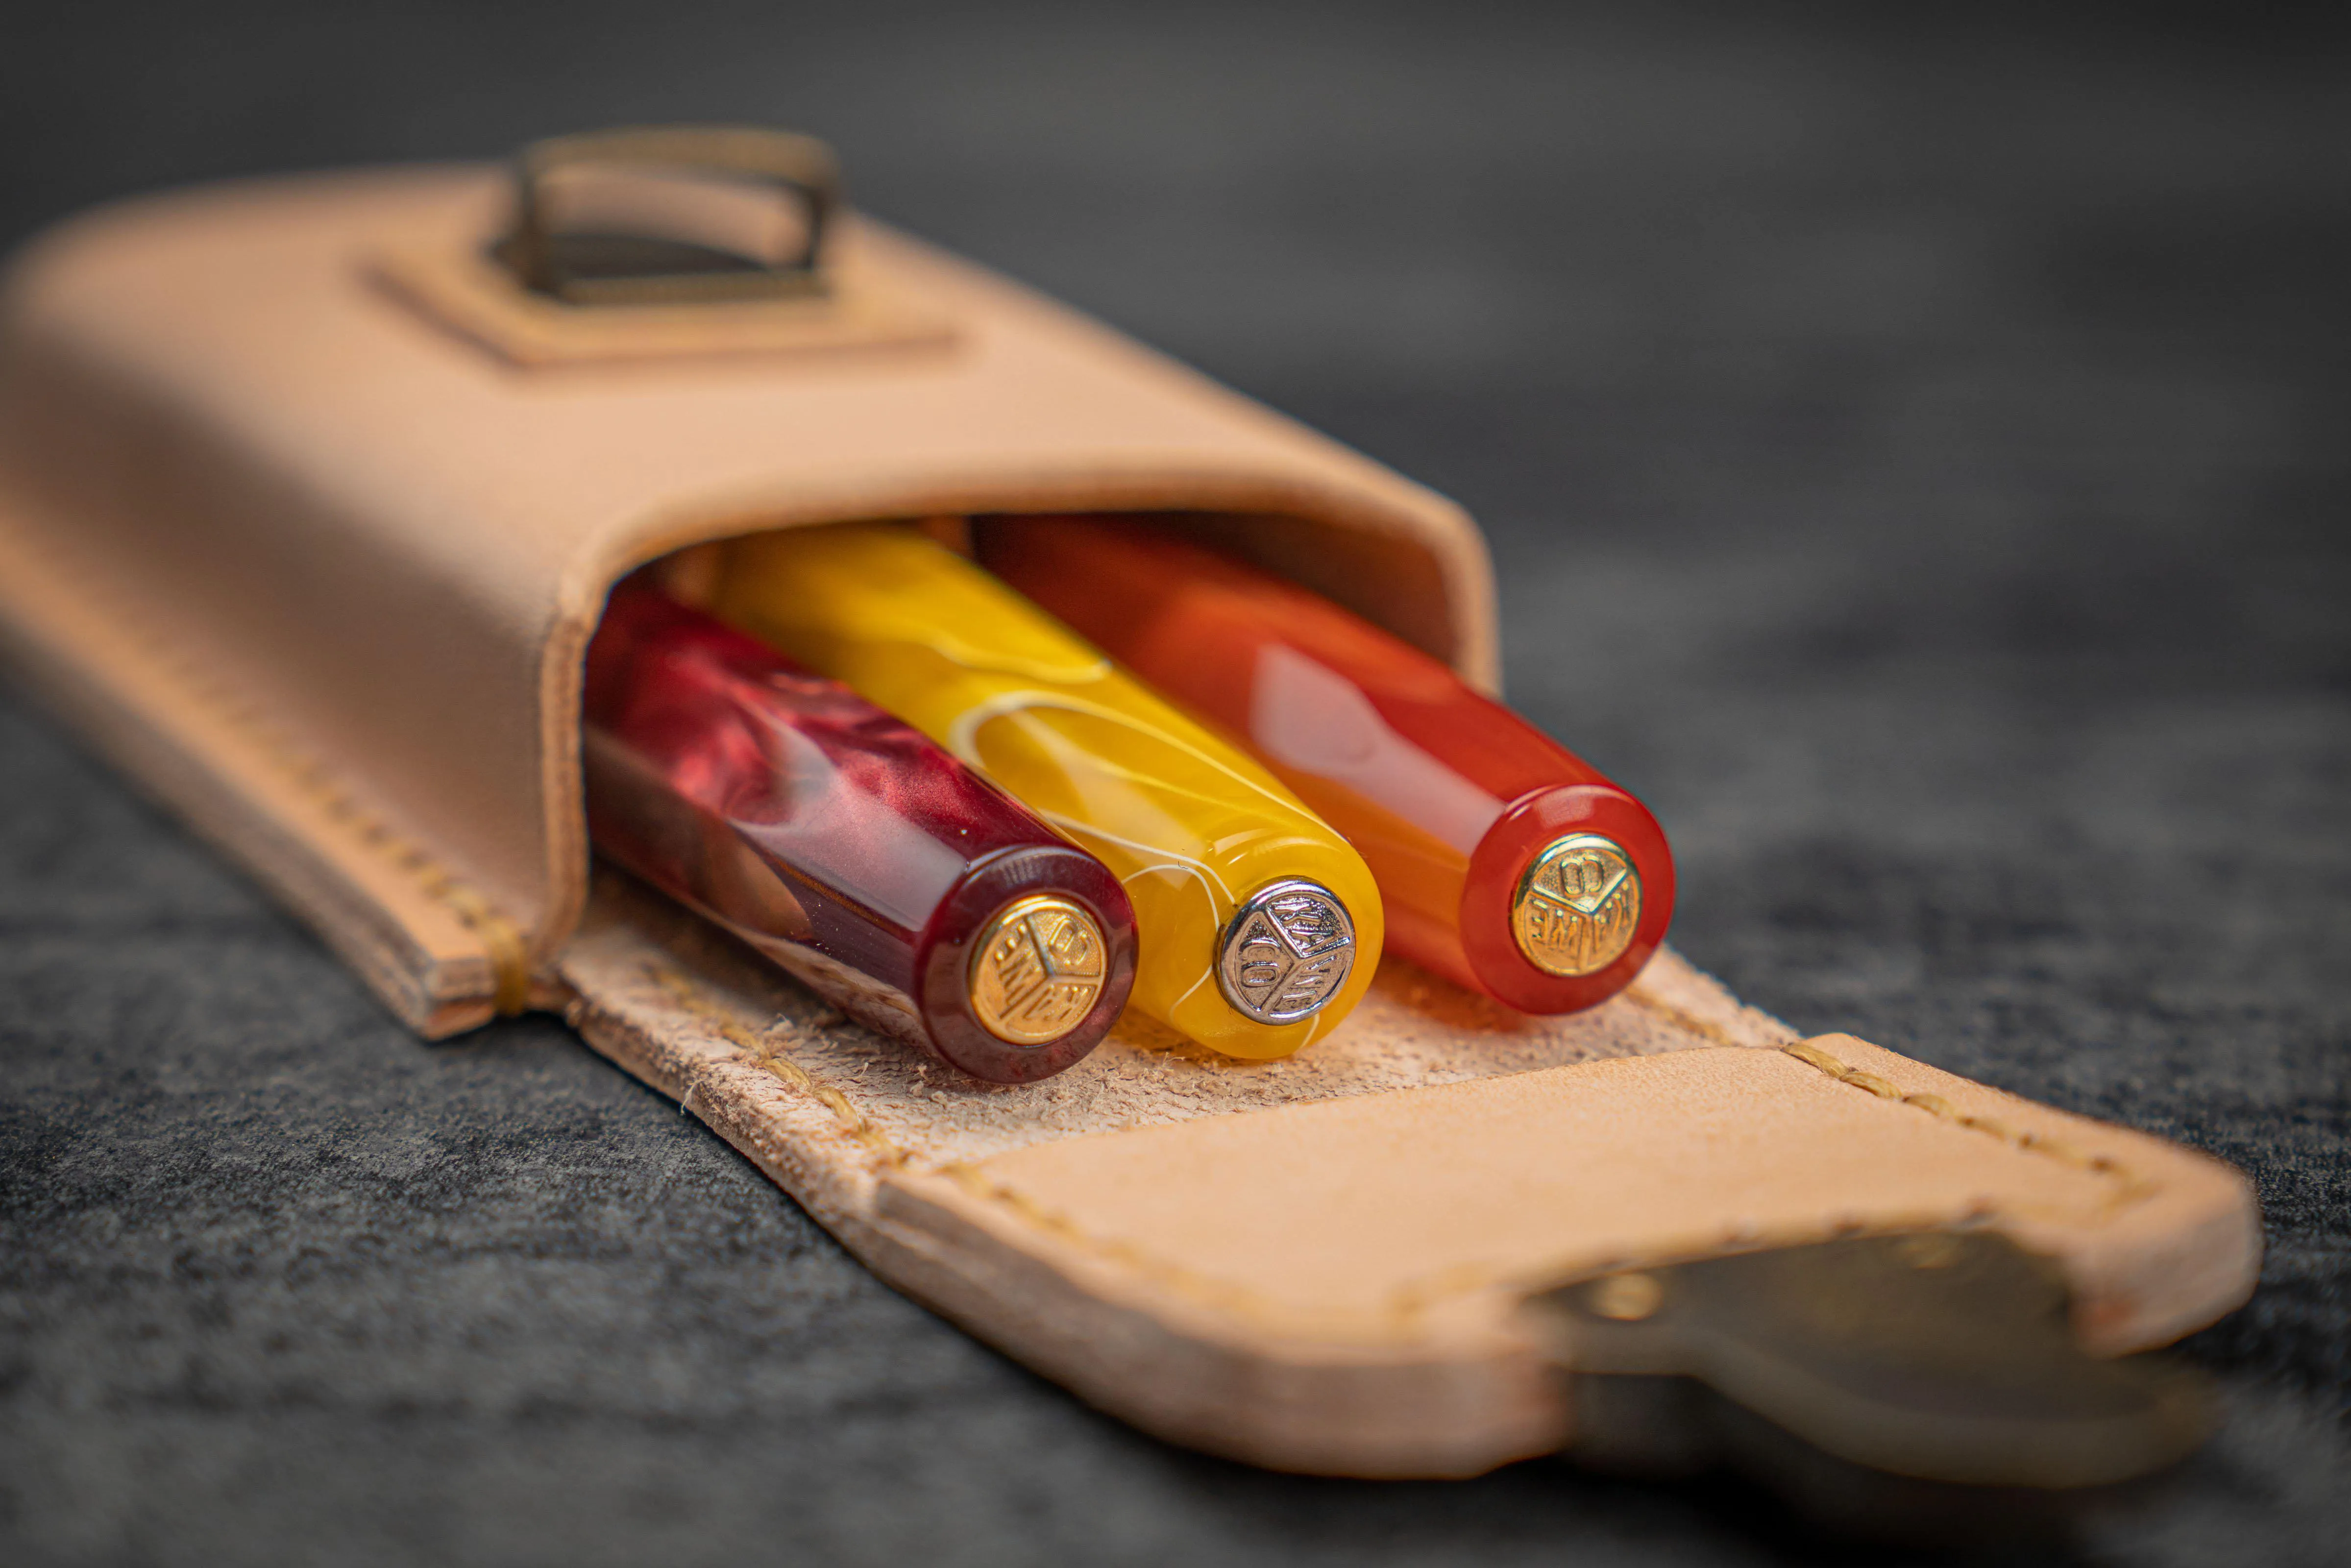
(638, 264)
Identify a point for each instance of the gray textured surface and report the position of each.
(1915, 461)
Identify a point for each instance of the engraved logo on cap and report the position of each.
(1287, 952)
(1037, 969)
(1577, 906)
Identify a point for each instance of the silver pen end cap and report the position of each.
(1287, 951)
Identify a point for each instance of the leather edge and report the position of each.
(323, 852)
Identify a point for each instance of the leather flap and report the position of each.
(1318, 1264)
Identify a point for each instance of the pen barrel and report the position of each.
(846, 847)
(1259, 927)
(1505, 861)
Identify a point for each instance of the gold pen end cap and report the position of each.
(1287, 951)
(1577, 906)
(1037, 969)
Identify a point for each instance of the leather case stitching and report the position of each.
(242, 719)
(1411, 1300)
(2131, 1188)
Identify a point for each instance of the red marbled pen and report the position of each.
(850, 850)
(1505, 861)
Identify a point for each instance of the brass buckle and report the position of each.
(639, 264)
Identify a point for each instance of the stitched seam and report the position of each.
(502, 941)
(1406, 1303)
(2131, 1188)
(1705, 1029)
(1201, 1287)
(682, 991)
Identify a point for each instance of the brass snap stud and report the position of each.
(1626, 1298)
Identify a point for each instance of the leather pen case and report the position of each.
(310, 502)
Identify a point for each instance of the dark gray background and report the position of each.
(1914, 454)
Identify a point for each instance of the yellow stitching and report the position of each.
(1406, 1302)
(502, 941)
(2132, 1188)
(509, 958)
(1705, 1029)
(682, 991)
(1201, 1287)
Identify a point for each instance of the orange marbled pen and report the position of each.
(1506, 863)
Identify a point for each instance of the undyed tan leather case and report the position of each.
(306, 518)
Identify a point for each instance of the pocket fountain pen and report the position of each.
(853, 853)
(1506, 863)
(1257, 927)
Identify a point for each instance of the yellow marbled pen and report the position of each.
(1257, 926)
